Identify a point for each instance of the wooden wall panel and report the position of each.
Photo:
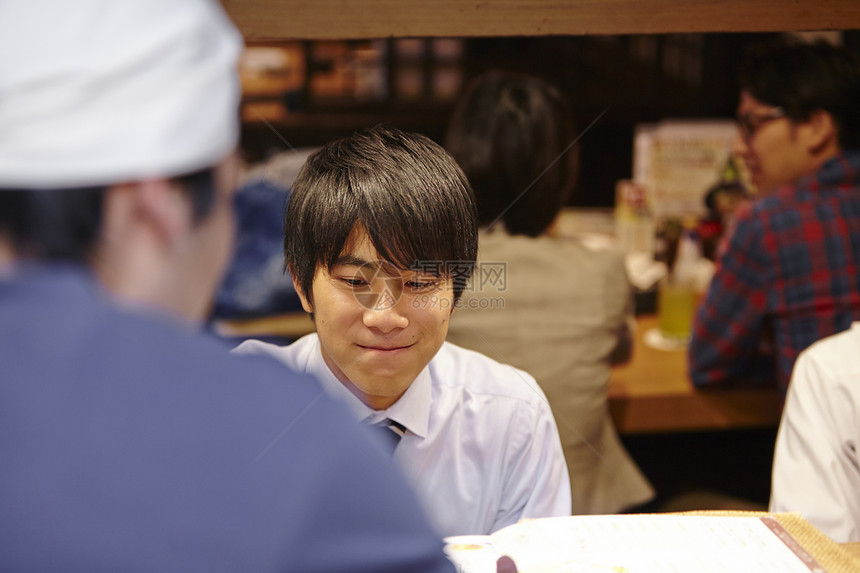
(332, 19)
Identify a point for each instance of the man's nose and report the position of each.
(740, 147)
(384, 313)
(385, 318)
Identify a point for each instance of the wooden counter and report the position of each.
(652, 393)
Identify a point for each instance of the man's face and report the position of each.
(773, 148)
(378, 326)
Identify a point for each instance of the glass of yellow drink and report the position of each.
(675, 306)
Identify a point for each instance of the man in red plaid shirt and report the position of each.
(790, 274)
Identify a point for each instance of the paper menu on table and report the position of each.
(649, 543)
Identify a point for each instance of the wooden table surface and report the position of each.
(652, 393)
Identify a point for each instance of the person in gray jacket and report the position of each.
(538, 301)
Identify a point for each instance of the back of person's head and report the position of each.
(66, 224)
(403, 189)
(803, 77)
(512, 134)
(97, 93)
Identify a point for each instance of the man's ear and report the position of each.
(820, 131)
(158, 204)
(306, 301)
(151, 205)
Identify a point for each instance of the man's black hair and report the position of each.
(64, 224)
(403, 189)
(801, 78)
(512, 135)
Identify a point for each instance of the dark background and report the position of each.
(634, 79)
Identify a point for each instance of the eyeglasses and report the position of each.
(750, 122)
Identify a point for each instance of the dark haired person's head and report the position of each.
(801, 78)
(512, 134)
(65, 224)
(402, 189)
(163, 242)
(797, 109)
(380, 238)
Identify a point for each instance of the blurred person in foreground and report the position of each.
(540, 302)
(131, 441)
(816, 470)
(788, 276)
(380, 239)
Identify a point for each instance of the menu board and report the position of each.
(678, 161)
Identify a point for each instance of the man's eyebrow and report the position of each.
(353, 260)
(374, 265)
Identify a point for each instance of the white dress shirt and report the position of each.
(481, 445)
(815, 469)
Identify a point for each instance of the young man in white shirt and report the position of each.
(380, 240)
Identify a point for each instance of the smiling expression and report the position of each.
(378, 325)
(775, 152)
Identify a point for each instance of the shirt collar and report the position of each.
(838, 169)
(412, 410)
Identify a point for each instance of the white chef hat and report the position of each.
(95, 92)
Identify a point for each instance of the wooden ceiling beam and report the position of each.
(354, 19)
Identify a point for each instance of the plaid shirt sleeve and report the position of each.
(730, 321)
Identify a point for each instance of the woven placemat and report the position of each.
(827, 552)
